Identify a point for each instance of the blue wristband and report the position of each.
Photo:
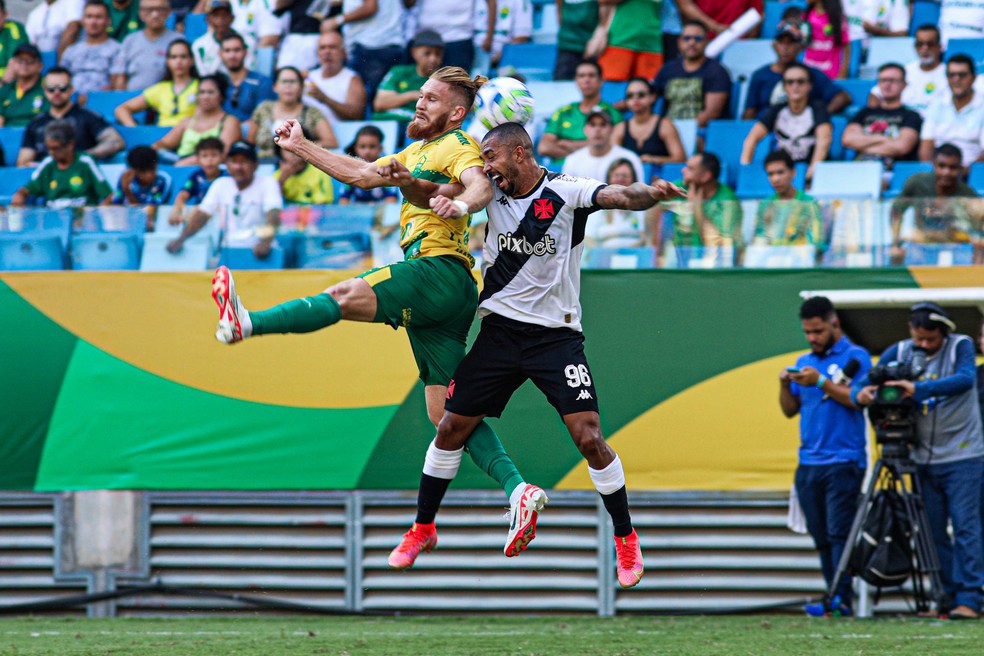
(821, 381)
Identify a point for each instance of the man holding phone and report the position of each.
(833, 437)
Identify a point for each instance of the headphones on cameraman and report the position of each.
(936, 314)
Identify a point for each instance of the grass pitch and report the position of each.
(519, 635)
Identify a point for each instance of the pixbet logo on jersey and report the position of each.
(509, 242)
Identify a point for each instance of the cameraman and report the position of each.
(833, 437)
(949, 452)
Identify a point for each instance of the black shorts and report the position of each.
(506, 354)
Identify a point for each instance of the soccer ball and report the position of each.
(503, 100)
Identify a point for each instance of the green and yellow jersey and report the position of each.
(442, 160)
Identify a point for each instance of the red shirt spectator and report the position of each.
(717, 15)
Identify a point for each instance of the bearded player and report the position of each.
(431, 293)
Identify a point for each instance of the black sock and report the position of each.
(617, 505)
(429, 497)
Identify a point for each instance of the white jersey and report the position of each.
(532, 256)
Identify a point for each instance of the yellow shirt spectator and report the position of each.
(310, 186)
(171, 107)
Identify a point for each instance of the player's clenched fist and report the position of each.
(289, 135)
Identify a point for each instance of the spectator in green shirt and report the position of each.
(124, 16)
(65, 178)
(578, 21)
(711, 214)
(23, 99)
(788, 217)
(12, 34)
(565, 129)
(400, 89)
(947, 210)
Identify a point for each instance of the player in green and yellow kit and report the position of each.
(431, 293)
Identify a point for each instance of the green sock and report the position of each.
(302, 315)
(487, 452)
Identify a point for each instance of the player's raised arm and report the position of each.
(290, 136)
(476, 195)
(638, 196)
(417, 191)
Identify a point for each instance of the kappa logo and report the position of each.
(543, 208)
(585, 395)
(510, 242)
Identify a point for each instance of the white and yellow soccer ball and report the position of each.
(503, 100)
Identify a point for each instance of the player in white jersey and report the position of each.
(531, 326)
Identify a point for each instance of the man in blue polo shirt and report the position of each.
(833, 436)
(247, 88)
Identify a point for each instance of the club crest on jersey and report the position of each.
(543, 208)
(510, 242)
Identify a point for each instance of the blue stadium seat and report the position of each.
(972, 47)
(10, 141)
(49, 58)
(744, 57)
(901, 172)
(753, 183)
(534, 60)
(687, 129)
(858, 90)
(613, 92)
(350, 250)
(545, 23)
(847, 179)
(549, 96)
(106, 251)
(266, 58)
(194, 255)
(13, 179)
(179, 175)
(674, 171)
(243, 258)
(142, 135)
(345, 132)
(772, 15)
(924, 12)
(106, 102)
(780, 257)
(31, 251)
(839, 124)
(976, 179)
(620, 258)
(943, 255)
(854, 65)
(885, 49)
(195, 26)
(700, 257)
(725, 139)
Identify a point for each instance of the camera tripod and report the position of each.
(895, 470)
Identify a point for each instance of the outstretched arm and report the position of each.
(417, 191)
(341, 167)
(476, 195)
(638, 196)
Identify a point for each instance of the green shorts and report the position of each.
(435, 299)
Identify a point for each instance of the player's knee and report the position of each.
(452, 431)
(588, 438)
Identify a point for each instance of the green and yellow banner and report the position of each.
(115, 381)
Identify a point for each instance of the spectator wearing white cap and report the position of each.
(207, 48)
(400, 89)
(594, 160)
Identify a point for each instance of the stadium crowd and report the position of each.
(792, 120)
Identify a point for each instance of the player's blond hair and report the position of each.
(463, 84)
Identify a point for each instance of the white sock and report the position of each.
(245, 322)
(517, 493)
(440, 463)
(609, 479)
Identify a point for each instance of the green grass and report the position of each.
(519, 635)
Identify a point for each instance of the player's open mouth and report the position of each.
(498, 180)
